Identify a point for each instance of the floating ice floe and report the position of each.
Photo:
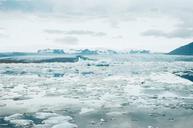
(57, 120)
(53, 120)
(19, 121)
(22, 123)
(46, 120)
(65, 125)
(44, 115)
(13, 117)
(86, 110)
(168, 78)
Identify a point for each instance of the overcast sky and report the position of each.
(159, 26)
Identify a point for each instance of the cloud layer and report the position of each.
(131, 24)
(75, 32)
(115, 10)
(69, 40)
(178, 33)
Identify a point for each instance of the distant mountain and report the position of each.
(87, 52)
(51, 51)
(183, 50)
(106, 52)
(94, 52)
(139, 52)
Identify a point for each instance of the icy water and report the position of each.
(119, 91)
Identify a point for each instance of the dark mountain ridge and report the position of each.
(183, 50)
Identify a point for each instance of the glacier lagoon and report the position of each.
(105, 91)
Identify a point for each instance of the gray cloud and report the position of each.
(75, 32)
(178, 33)
(69, 40)
(53, 31)
(82, 32)
(2, 35)
(65, 7)
(117, 37)
(25, 5)
(111, 9)
(180, 11)
(156, 33)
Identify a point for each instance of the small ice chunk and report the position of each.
(86, 110)
(18, 121)
(57, 120)
(102, 120)
(93, 122)
(13, 117)
(114, 113)
(65, 125)
(2, 105)
(44, 115)
(41, 126)
(22, 123)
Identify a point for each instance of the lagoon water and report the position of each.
(106, 91)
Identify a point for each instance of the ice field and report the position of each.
(105, 91)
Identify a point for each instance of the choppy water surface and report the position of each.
(120, 91)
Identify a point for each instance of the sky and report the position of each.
(156, 25)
